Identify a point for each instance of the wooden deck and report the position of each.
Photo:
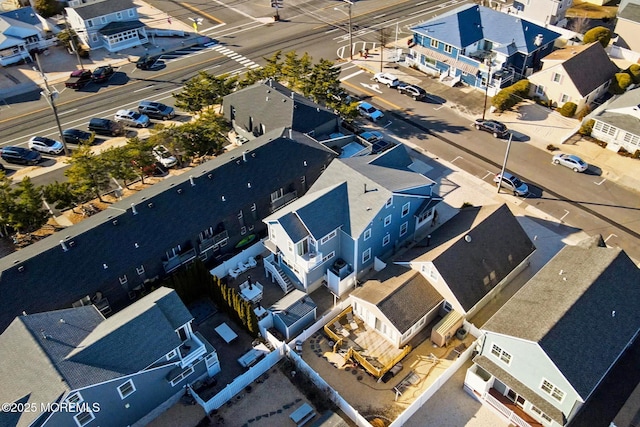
(512, 406)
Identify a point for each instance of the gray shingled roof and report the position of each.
(586, 297)
(296, 311)
(404, 296)
(101, 8)
(47, 354)
(174, 218)
(595, 59)
(614, 114)
(472, 269)
(275, 105)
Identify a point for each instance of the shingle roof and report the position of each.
(586, 297)
(404, 296)
(24, 14)
(101, 8)
(275, 105)
(473, 268)
(591, 57)
(47, 354)
(293, 309)
(469, 24)
(142, 239)
(623, 112)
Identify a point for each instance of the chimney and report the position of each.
(64, 246)
(133, 209)
(193, 184)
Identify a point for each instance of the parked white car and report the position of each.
(571, 161)
(386, 79)
(369, 111)
(45, 145)
(164, 156)
(132, 118)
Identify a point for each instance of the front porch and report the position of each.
(117, 36)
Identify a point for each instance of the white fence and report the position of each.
(439, 382)
(242, 381)
(223, 269)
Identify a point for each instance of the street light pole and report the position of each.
(486, 90)
(504, 164)
(50, 96)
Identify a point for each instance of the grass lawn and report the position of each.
(590, 10)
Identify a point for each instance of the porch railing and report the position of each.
(508, 413)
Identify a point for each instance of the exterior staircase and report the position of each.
(278, 274)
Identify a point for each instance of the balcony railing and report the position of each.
(213, 242)
(190, 350)
(508, 413)
(284, 200)
(178, 260)
(310, 260)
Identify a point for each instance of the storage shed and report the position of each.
(446, 328)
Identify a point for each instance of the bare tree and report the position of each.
(579, 24)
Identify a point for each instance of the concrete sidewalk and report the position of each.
(538, 125)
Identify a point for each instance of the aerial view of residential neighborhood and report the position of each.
(320, 213)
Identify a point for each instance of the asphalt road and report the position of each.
(318, 28)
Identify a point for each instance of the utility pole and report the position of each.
(350, 3)
(504, 164)
(382, 41)
(51, 96)
(486, 89)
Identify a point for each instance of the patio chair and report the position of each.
(252, 262)
(234, 273)
(340, 329)
(352, 323)
(242, 267)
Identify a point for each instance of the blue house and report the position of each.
(359, 211)
(73, 367)
(477, 45)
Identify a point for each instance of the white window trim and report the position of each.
(386, 239)
(367, 234)
(80, 423)
(434, 43)
(328, 237)
(405, 209)
(366, 255)
(404, 228)
(387, 220)
(171, 354)
(502, 354)
(389, 202)
(124, 384)
(554, 388)
(71, 399)
(182, 376)
(553, 78)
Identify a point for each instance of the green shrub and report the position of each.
(598, 34)
(521, 88)
(583, 113)
(504, 100)
(620, 83)
(568, 109)
(634, 72)
(586, 127)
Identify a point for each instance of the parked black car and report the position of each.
(417, 93)
(146, 62)
(106, 127)
(20, 155)
(76, 136)
(102, 74)
(494, 127)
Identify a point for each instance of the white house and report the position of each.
(618, 123)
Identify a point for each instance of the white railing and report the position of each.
(270, 267)
(223, 269)
(505, 411)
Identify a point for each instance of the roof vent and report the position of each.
(248, 185)
(224, 199)
(150, 205)
(210, 176)
(105, 266)
(64, 246)
(467, 238)
(133, 209)
(179, 190)
(115, 222)
(193, 183)
(21, 269)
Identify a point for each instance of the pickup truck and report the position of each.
(102, 73)
(78, 79)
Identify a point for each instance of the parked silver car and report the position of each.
(512, 183)
(132, 118)
(570, 161)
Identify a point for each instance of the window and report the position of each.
(184, 374)
(119, 15)
(103, 19)
(564, 98)
(403, 228)
(131, 13)
(328, 237)
(366, 255)
(539, 90)
(75, 398)
(171, 354)
(272, 232)
(434, 43)
(605, 128)
(448, 48)
(389, 202)
(126, 389)
(140, 270)
(367, 234)
(542, 415)
(552, 390)
(405, 209)
(631, 138)
(387, 220)
(83, 418)
(447, 307)
(94, 37)
(89, 23)
(278, 194)
(501, 354)
(386, 239)
(329, 256)
(556, 78)
(290, 246)
(243, 230)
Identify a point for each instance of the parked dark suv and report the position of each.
(156, 110)
(494, 127)
(20, 155)
(76, 136)
(106, 127)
